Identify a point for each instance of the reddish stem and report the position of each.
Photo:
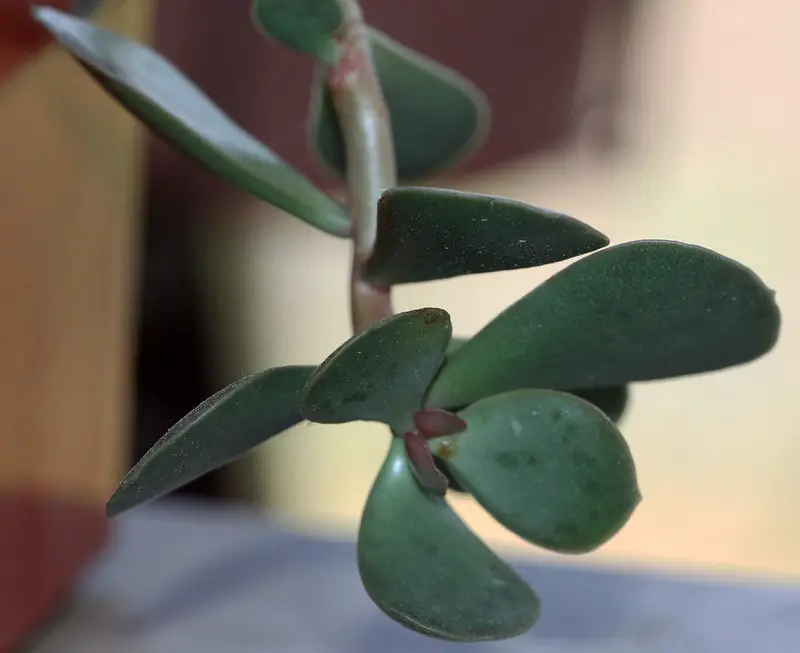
(437, 422)
(423, 465)
(370, 157)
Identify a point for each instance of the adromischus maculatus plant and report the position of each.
(523, 415)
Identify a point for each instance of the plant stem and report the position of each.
(371, 169)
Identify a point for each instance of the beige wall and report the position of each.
(713, 158)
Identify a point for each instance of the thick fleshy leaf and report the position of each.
(427, 570)
(633, 312)
(612, 400)
(226, 425)
(306, 25)
(180, 113)
(437, 115)
(382, 373)
(452, 482)
(431, 233)
(426, 234)
(547, 465)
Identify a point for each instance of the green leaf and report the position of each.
(547, 465)
(382, 373)
(427, 570)
(180, 113)
(430, 233)
(438, 117)
(225, 426)
(613, 400)
(455, 344)
(633, 312)
(308, 26)
(453, 484)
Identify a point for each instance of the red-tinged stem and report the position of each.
(423, 465)
(437, 422)
(370, 157)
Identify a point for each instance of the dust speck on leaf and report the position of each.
(430, 317)
(447, 449)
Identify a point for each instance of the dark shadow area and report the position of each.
(172, 364)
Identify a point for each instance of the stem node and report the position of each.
(371, 168)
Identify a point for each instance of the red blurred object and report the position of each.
(21, 38)
(43, 541)
(525, 55)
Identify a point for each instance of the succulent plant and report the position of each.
(523, 415)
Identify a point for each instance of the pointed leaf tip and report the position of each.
(427, 570)
(426, 234)
(639, 311)
(236, 419)
(169, 104)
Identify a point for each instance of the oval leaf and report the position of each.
(427, 570)
(382, 373)
(225, 426)
(438, 117)
(633, 312)
(547, 465)
(613, 400)
(430, 233)
(180, 113)
(308, 26)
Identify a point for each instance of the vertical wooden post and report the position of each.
(69, 195)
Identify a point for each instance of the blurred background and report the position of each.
(148, 284)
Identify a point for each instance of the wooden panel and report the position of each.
(69, 187)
